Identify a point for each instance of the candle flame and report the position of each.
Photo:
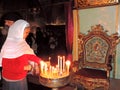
(58, 71)
(68, 62)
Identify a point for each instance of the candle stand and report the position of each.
(55, 76)
(54, 83)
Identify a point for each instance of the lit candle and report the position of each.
(58, 62)
(58, 71)
(54, 72)
(41, 66)
(50, 70)
(45, 68)
(63, 63)
(68, 66)
(116, 1)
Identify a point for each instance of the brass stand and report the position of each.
(54, 88)
(54, 83)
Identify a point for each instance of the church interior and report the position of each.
(82, 37)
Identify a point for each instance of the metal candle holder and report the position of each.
(55, 76)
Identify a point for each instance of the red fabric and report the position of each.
(13, 69)
(92, 73)
(69, 27)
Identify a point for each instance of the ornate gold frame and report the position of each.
(81, 4)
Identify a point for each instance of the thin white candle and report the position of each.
(58, 62)
(41, 66)
(63, 63)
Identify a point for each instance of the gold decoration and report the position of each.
(93, 3)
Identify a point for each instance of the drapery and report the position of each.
(69, 29)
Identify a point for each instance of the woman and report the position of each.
(16, 55)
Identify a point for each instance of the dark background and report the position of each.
(50, 11)
(48, 15)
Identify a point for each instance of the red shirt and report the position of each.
(13, 68)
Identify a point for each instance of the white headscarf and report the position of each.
(15, 45)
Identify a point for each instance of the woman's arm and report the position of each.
(33, 58)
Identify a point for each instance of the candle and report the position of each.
(116, 1)
(58, 62)
(41, 66)
(58, 71)
(63, 63)
(45, 68)
(54, 72)
(67, 66)
(60, 67)
(50, 70)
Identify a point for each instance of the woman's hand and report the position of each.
(36, 69)
(28, 67)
